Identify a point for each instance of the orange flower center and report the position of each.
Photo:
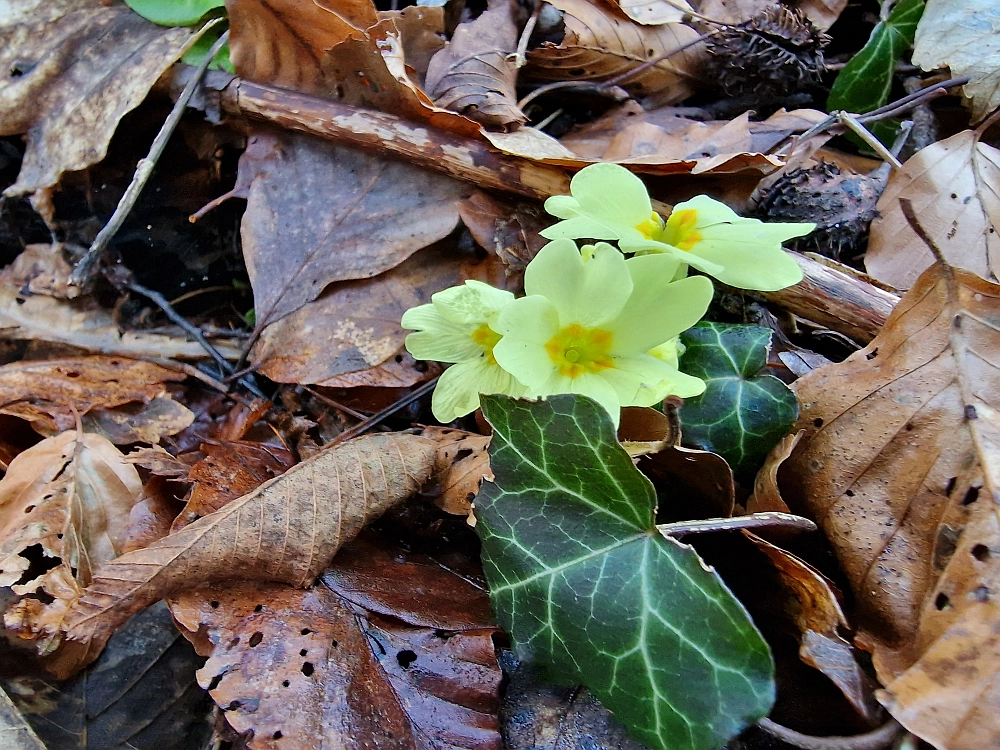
(680, 231)
(576, 350)
(487, 338)
(651, 228)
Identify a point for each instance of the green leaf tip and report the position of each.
(582, 581)
(741, 415)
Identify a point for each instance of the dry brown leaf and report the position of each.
(900, 464)
(286, 530)
(509, 229)
(693, 483)
(64, 508)
(353, 330)
(229, 470)
(462, 465)
(822, 13)
(138, 422)
(818, 617)
(69, 71)
(51, 394)
(81, 323)
(653, 12)
(282, 42)
(954, 186)
(319, 213)
(421, 32)
(766, 494)
(601, 44)
(150, 518)
(473, 75)
(15, 732)
(312, 665)
(159, 462)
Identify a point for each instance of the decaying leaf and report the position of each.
(64, 508)
(954, 186)
(462, 466)
(336, 214)
(15, 732)
(508, 229)
(899, 464)
(312, 665)
(601, 44)
(473, 75)
(653, 12)
(138, 422)
(353, 329)
(965, 37)
(287, 530)
(69, 71)
(52, 393)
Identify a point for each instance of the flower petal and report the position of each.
(492, 299)
(585, 292)
(563, 206)
(526, 325)
(745, 264)
(470, 304)
(437, 338)
(590, 385)
(659, 308)
(676, 384)
(579, 227)
(610, 192)
(632, 373)
(458, 389)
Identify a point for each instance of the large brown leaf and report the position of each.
(601, 43)
(318, 213)
(64, 509)
(286, 530)
(474, 74)
(954, 186)
(900, 464)
(69, 71)
(390, 650)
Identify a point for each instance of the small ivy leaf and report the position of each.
(583, 583)
(864, 83)
(174, 12)
(741, 415)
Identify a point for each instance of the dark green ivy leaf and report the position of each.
(583, 582)
(864, 83)
(741, 415)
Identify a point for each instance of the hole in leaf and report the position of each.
(406, 658)
(399, 358)
(818, 422)
(303, 652)
(29, 509)
(233, 705)
(213, 604)
(981, 552)
(942, 601)
(307, 669)
(872, 354)
(38, 563)
(849, 493)
(255, 639)
(235, 642)
(277, 735)
(305, 631)
(72, 374)
(285, 683)
(335, 644)
(971, 495)
(215, 682)
(259, 608)
(464, 453)
(948, 488)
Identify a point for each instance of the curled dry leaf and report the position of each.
(473, 75)
(954, 186)
(601, 44)
(900, 465)
(311, 665)
(964, 37)
(286, 530)
(50, 394)
(69, 103)
(336, 214)
(351, 335)
(462, 465)
(64, 509)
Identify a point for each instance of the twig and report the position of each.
(83, 274)
(335, 404)
(374, 419)
(520, 56)
(864, 134)
(769, 519)
(874, 740)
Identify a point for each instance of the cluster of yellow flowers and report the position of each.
(591, 321)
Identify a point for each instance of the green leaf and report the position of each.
(864, 83)
(741, 415)
(582, 581)
(200, 48)
(174, 12)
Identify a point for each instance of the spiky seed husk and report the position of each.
(776, 52)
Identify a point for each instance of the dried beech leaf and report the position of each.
(900, 464)
(353, 330)
(653, 12)
(287, 530)
(138, 422)
(317, 667)
(319, 213)
(69, 71)
(766, 495)
(158, 461)
(954, 186)
(473, 75)
(64, 508)
(51, 393)
(15, 732)
(462, 465)
(601, 44)
(151, 517)
(509, 229)
(282, 42)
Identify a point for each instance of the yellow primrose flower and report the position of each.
(589, 320)
(677, 384)
(608, 202)
(455, 327)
